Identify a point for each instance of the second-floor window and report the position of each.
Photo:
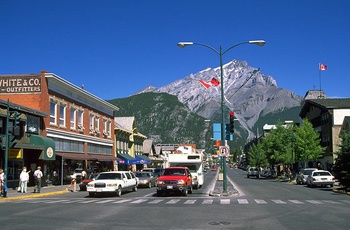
(53, 112)
(62, 115)
(73, 115)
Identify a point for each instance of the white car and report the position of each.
(320, 178)
(112, 182)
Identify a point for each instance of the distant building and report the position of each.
(327, 117)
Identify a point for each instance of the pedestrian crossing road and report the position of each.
(186, 201)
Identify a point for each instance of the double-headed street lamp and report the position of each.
(221, 54)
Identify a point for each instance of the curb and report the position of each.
(4, 199)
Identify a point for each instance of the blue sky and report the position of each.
(116, 48)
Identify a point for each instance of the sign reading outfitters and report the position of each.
(20, 84)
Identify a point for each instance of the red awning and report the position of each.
(101, 157)
(75, 156)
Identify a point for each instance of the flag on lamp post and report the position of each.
(323, 67)
(213, 82)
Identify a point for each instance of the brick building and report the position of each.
(80, 124)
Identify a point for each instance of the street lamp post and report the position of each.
(221, 54)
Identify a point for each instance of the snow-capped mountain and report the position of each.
(247, 92)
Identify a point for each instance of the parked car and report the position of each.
(84, 182)
(301, 177)
(112, 182)
(253, 172)
(213, 168)
(175, 179)
(146, 179)
(320, 178)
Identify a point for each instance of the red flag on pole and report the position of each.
(214, 81)
(205, 84)
(323, 67)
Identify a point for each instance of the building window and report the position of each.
(106, 128)
(99, 149)
(73, 115)
(53, 112)
(62, 115)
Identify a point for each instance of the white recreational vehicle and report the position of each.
(186, 156)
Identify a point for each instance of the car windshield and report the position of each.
(322, 174)
(308, 172)
(109, 176)
(143, 174)
(179, 172)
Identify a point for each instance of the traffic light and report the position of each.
(232, 125)
(228, 132)
(16, 118)
(11, 140)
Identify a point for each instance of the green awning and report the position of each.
(46, 144)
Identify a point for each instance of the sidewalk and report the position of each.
(13, 194)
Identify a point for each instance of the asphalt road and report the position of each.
(260, 204)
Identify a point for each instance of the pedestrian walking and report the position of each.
(37, 176)
(2, 178)
(73, 183)
(24, 179)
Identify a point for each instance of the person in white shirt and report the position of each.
(37, 176)
(24, 178)
(2, 176)
(73, 183)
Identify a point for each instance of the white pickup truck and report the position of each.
(112, 182)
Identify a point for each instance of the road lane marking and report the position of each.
(138, 201)
(296, 201)
(243, 201)
(121, 201)
(173, 201)
(207, 201)
(258, 201)
(225, 201)
(314, 201)
(190, 201)
(278, 202)
(155, 201)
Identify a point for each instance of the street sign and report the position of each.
(224, 151)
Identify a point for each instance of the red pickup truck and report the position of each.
(175, 179)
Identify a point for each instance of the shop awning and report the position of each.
(101, 157)
(142, 159)
(126, 159)
(46, 144)
(75, 156)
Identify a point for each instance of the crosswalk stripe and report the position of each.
(243, 201)
(155, 201)
(278, 201)
(260, 201)
(225, 201)
(87, 201)
(296, 201)
(330, 202)
(190, 201)
(173, 201)
(207, 201)
(314, 201)
(104, 201)
(138, 201)
(121, 201)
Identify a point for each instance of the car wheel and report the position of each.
(150, 184)
(91, 194)
(159, 193)
(135, 188)
(190, 191)
(119, 191)
(185, 192)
